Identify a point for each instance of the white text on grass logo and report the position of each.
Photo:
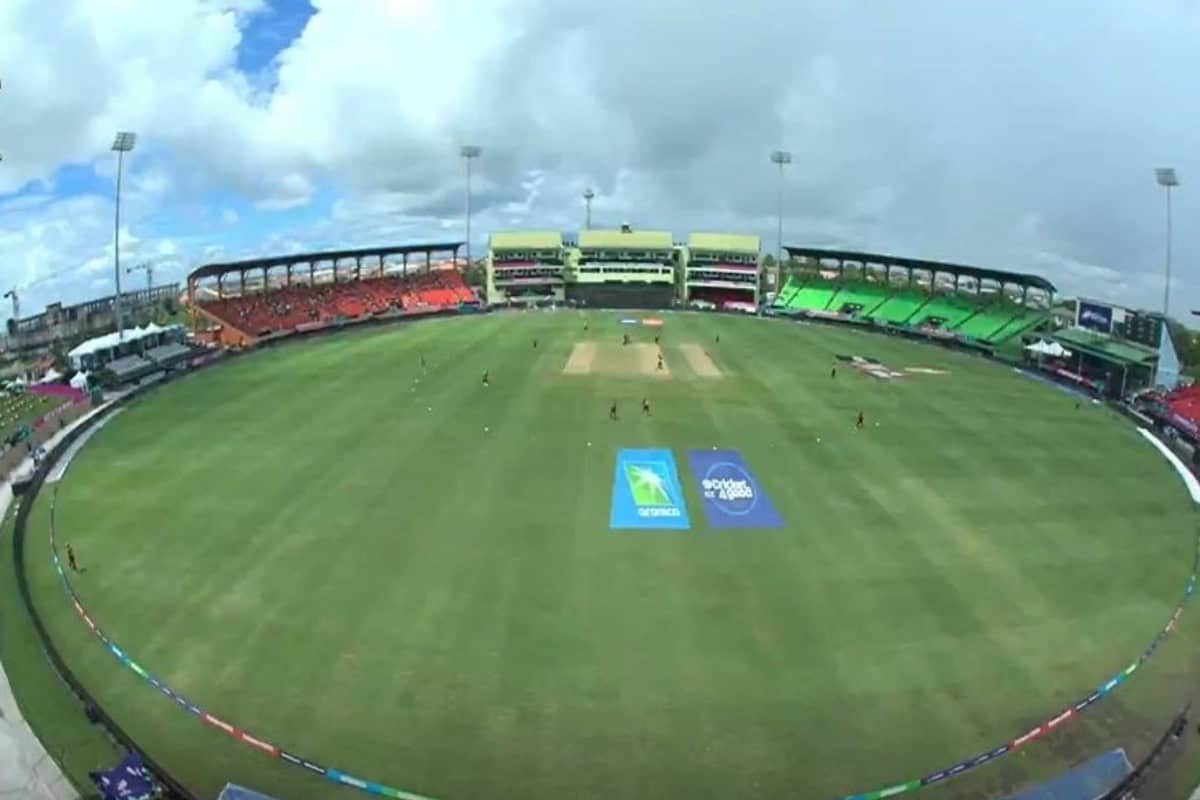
(648, 485)
(646, 492)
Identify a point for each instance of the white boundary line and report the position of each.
(1189, 480)
(59, 470)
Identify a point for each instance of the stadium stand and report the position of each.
(1185, 402)
(900, 307)
(813, 295)
(235, 303)
(789, 290)
(289, 307)
(859, 298)
(975, 305)
(1025, 320)
(989, 320)
(946, 311)
(525, 267)
(168, 353)
(722, 270)
(723, 298)
(128, 367)
(622, 269)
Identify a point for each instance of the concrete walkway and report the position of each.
(27, 771)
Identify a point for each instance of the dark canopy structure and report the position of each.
(842, 257)
(1119, 364)
(219, 271)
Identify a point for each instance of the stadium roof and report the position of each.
(110, 340)
(620, 240)
(724, 242)
(1103, 346)
(979, 273)
(526, 240)
(213, 270)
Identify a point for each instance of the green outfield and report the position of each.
(410, 576)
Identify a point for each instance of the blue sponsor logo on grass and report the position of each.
(646, 492)
(732, 497)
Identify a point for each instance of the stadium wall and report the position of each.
(621, 295)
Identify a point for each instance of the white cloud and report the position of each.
(928, 128)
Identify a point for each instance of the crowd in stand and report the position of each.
(725, 299)
(285, 308)
(1185, 402)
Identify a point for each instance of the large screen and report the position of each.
(1095, 317)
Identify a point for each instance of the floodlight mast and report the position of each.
(469, 152)
(588, 194)
(13, 295)
(122, 144)
(146, 267)
(782, 158)
(1166, 178)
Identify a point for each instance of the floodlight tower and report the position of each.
(122, 144)
(588, 194)
(1167, 179)
(782, 158)
(146, 267)
(11, 294)
(16, 313)
(469, 152)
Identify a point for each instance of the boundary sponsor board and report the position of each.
(647, 492)
(732, 497)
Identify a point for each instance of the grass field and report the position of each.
(321, 544)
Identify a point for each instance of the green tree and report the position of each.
(1187, 345)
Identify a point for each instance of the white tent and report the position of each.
(111, 341)
(1052, 349)
(51, 376)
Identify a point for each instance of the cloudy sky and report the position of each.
(1011, 134)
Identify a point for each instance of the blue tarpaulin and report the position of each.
(129, 780)
(1088, 781)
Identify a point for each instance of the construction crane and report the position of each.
(16, 316)
(148, 267)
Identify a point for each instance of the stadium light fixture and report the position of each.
(469, 153)
(146, 267)
(122, 144)
(1166, 178)
(782, 158)
(588, 194)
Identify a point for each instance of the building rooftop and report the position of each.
(724, 243)
(1121, 351)
(625, 240)
(526, 240)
